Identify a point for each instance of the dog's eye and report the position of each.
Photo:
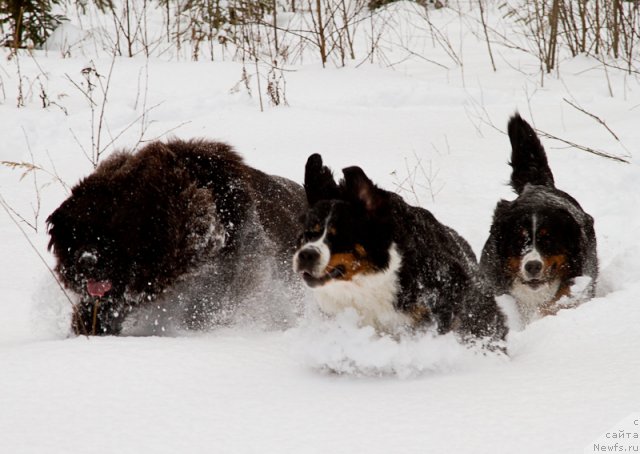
(314, 231)
(543, 233)
(332, 231)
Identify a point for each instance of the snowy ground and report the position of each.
(568, 380)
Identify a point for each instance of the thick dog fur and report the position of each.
(365, 248)
(183, 227)
(543, 240)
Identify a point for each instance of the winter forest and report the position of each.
(416, 93)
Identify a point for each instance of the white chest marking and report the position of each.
(371, 295)
(529, 300)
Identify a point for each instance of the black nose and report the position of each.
(307, 258)
(87, 261)
(533, 267)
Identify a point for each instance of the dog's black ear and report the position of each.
(318, 181)
(358, 187)
(51, 223)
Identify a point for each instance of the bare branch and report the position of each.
(595, 117)
(600, 153)
(9, 212)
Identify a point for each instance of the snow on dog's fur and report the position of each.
(184, 227)
(395, 264)
(542, 241)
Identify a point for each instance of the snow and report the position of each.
(326, 385)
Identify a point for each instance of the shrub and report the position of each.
(29, 22)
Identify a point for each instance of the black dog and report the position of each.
(543, 240)
(395, 264)
(183, 223)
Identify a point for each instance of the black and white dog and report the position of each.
(543, 240)
(395, 264)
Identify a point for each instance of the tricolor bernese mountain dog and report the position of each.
(182, 228)
(364, 248)
(543, 240)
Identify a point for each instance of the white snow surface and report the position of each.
(325, 385)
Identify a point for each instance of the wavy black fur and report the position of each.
(181, 213)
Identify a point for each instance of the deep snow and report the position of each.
(327, 386)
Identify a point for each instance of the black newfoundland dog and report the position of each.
(179, 232)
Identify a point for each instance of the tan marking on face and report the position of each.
(513, 266)
(351, 263)
(555, 267)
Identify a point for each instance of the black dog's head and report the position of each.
(130, 228)
(539, 239)
(347, 229)
(87, 248)
(89, 232)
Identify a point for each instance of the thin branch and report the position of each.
(600, 153)
(28, 167)
(36, 210)
(595, 117)
(414, 54)
(165, 133)
(73, 134)
(86, 95)
(105, 92)
(129, 126)
(8, 210)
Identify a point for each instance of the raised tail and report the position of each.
(528, 158)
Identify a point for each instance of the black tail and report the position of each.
(528, 159)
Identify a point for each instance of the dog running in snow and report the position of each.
(183, 227)
(364, 248)
(541, 242)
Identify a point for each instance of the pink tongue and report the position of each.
(98, 288)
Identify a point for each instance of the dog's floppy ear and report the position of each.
(52, 222)
(358, 187)
(318, 181)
